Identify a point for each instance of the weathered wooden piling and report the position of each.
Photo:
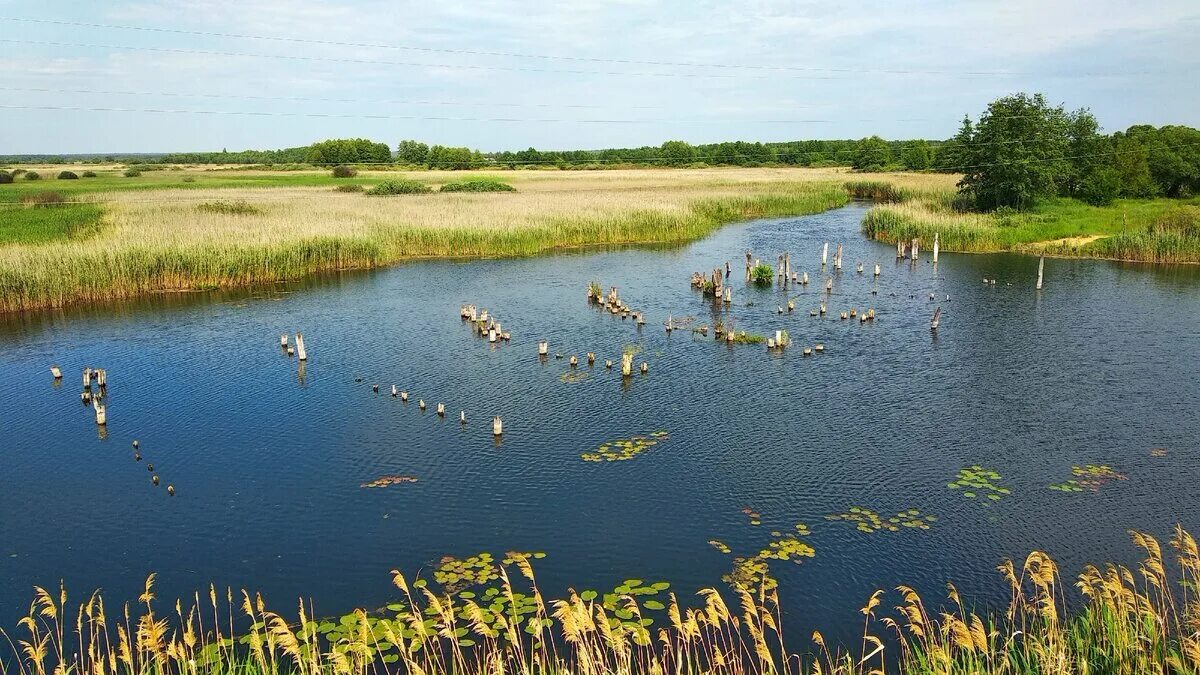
(54, 370)
(497, 426)
(608, 363)
(916, 243)
(591, 357)
(876, 269)
(936, 246)
(421, 403)
(1041, 269)
(791, 306)
(290, 351)
(574, 361)
(770, 343)
(462, 417)
(101, 412)
(87, 378)
(728, 295)
(844, 315)
(818, 347)
(404, 396)
(375, 388)
(823, 309)
(441, 409)
(154, 479)
(748, 265)
(543, 348)
(936, 320)
(171, 490)
(859, 269)
(899, 250)
(626, 365)
(804, 279)
(808, 351)
(837, 259)
(283, 341)
(853, 312)
(829, 285)
(824, 254)
(645, 367)
(86, 396)
(300, 347)
(395, 391)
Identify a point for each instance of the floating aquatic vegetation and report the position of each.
(720, 546)
(1090, 477)
(977, 481)
(625, 448)
(750, 574)
(868, 521)
(457, 573)
(754, 573)
(573, 376)
(385, 481)
(1158, 452)
(754, 516)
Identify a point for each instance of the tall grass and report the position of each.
(154, 245)
(1144, 620)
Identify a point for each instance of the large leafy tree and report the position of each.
(917, 156)
(871, 154)
(1017, 153)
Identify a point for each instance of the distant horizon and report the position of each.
(146, 75)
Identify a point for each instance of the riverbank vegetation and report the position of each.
(497, 620)
(272, 226)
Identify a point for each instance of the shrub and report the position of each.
(342, 171)
(5, 177)
(189, 179)
(68, 175)
(131, 173)
(43, 199)
(17, 172)
(32, 175)
(400, 186)
(88, 174)
(762, 274)
(238, 208)
(1100, 187)
(352, 187)
(478, 185)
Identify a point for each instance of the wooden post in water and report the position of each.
(936, 320)
(87, 378)
(876, 269)
(497, 426)
(728, 294)
(283, 341)
(441, 409)
(899, 250)
(1041, 269)
(591, 358)
(102, 378)
(56, 372)
(824, 253)
(543, 348)
(626, 365)
(915, 244)
(395, 392)
(936, 246)
(804, 279)
(300, 347)
(748, 266)
(645, 367)
(101, 412)
(837, 259)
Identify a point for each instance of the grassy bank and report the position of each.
(1148, 230)
(241, 228)
(1143, 620)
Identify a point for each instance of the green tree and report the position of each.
(1131, 160)
(917, 156)
(1015, 155)
(676, 153)
(412, 152)
(1101, 186)
(871, 154)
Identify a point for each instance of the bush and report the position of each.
(478, 185)
(188, 179)
(32, 175)
(68, 175)
(17, 172)
(762, 274)
(131, 173)
(401, 186)
(5, 177)
(43, 199)
(352, 187)
(238, 208)
(89, 174)
(1100, 187)
(342, 171)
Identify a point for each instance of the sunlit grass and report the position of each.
(484, 616)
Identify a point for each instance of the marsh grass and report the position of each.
(157, 240)
(230, 208)
(1143, 620)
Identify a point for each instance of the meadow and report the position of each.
(168, 230)
(180, 229)
(483, 615)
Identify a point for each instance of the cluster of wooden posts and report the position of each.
(289, 350)
(612, 302)
(486, 326)
(912, 249)
(440, 408)
(543, 350)
(715, 287)
(96, 398)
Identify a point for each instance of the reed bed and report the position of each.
(160, 240)
(1143, 620)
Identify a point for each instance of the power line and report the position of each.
(547, 57)
(260, 113)
(311, 99)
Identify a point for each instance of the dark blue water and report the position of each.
(1098, 368)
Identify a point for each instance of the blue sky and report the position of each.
(898, 68)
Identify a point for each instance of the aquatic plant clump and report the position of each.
(976, 481)
(762, 275)
(1088, 478)
(386, 481)
(720, 546)
(624, 449)
(868, 521)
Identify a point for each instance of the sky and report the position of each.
(499, 75)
